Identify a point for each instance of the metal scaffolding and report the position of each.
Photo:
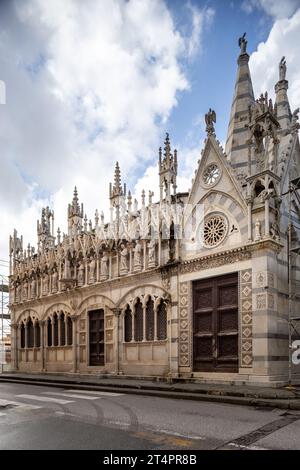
(293, 249)
(4, 311)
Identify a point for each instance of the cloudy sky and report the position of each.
(91, 82)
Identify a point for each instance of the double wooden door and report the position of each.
(215, 324)
(96, 335)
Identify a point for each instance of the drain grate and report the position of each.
(264, 431)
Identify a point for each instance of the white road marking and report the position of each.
(2, 414)
(108, 394)
(47, 399)
(240, 446)
(71, 395)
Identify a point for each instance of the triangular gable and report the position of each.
(227, 182)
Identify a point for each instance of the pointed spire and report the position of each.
(117, 182)
(74, 208)
(282, 102)
(167, 148)
(236, 146)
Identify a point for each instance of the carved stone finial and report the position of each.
(243, 44)
(282, 69)
(210, 118)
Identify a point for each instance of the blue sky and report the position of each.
(212, 73)
(89, 83)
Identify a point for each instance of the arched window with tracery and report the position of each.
(138, 321)
(62, 329)
(55, 330)
(37, 335)
(162, 320)
(69, 331)
(150, 320)
(30, 334)
(49, 332)
(128, 324)
(22, 335)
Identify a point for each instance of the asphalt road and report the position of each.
(36, 417)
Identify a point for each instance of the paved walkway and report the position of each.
(235, 394)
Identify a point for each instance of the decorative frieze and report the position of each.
(215, 260)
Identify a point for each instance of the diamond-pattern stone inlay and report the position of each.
(246, 276)
(184, 325)
(246, 291)
(246, 318)
(247, 305)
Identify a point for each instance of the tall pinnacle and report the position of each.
(282, 102)
(74, 208)
(117, 178)
(236, 146)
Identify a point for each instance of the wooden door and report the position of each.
(96, 331)
(215, 324)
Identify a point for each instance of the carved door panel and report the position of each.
(215, 324)
(96, 331)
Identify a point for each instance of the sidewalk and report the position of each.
(222, 393)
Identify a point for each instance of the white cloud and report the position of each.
(277, 8)
(283, 40)
(87, 83)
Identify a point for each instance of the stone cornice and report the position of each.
(229, 256)
(215, 259)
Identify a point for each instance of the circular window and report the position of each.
(214, 230)
(211, 174)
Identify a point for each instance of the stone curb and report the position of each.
(214, 396)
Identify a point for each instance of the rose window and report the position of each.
(211, 174)
(215, 230)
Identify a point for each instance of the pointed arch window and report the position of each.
(128, 324)
(30, 334)
(49, 332)
(150, 320)
(162, 321)
(138, 321)
(37, 335)
(69, 331)
(22, 336)
(55, 330)
(62, 329)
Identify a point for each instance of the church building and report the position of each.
(195, 285)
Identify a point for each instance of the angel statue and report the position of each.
(243, 44)
(210, 118)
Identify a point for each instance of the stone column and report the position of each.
(85, 272)
(74, 339)
(155, 323)
(145, 254)
(110, 266)
(43, 334)
(133, 324)
(249, 206)
(267, 218)
(130, 259)
(52, 331)
(97, 269)
(117, 313)
(144, 322)
(14, 346)
(59, 331)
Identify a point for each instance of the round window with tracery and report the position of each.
(214, 230)
(211, 174)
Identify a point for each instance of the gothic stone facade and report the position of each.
(123, 298)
